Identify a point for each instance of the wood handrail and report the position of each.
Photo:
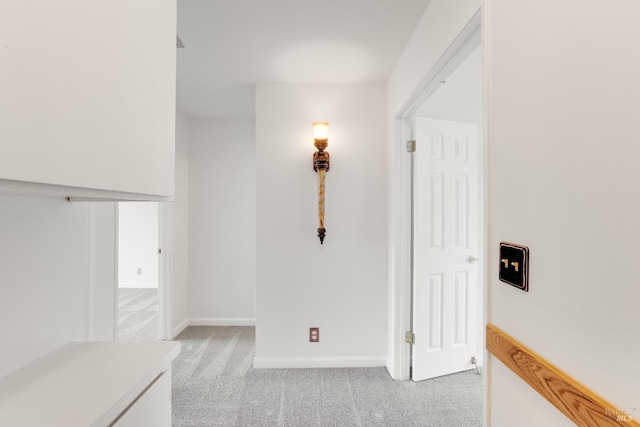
(581, 405)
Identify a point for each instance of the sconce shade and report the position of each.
(320, 130)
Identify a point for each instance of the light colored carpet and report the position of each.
(215, 385)
(137, 314)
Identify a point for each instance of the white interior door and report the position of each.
(445, 287)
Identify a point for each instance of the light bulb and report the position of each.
(320, 130)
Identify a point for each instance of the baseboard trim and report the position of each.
(222, 322)
(324, 362)
(389, 366)
(150, 285)
(178, 329)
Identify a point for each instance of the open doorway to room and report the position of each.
(448, 240)
(138, 271)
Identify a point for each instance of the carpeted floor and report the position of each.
(215, 385)
(137, 314)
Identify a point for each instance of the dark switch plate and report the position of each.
(514, 265)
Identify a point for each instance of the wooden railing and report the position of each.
(581, 405)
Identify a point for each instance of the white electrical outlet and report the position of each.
(139, 271)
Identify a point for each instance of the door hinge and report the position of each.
(410, 337)
(411, 146)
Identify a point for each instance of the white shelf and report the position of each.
(82, 384)
(74, 194)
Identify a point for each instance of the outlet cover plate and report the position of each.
(314, 334)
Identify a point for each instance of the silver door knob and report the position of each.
(471, 259)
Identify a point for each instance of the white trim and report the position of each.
(165, 269)
(149, 285)
(116, 266)
(400, 252)
(178, 329)
(240, 321)
(398, 360)
(486, 360)
(462, 46)
(324, 362)
(116, 289)
(75, 194)
(91, 282)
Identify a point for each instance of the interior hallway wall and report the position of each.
(340, 286)
(180, 206)
(563, 97)
(222, 221)
(48, 296)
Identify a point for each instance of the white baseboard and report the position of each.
(223, 322)
(324, 362)
(389, 365)
(152, 285)
(178, 329)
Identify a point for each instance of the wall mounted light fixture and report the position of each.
(321, 166)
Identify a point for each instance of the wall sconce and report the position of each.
(321, 166)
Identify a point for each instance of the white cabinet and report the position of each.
(88, 97)
(153, 407)
(92, 384)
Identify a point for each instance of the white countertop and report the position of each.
(82, 384)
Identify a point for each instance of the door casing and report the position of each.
(402, 252)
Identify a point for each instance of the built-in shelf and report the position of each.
(89, 384)
(75, 194)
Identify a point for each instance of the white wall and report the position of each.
(340, 286)
(563, 97)
(103, 274)
(95, 110)
(222, 221)
(138, 245)
(46, 299)
(441, 23)
(459, 98)
(180, 279)
(58, 276)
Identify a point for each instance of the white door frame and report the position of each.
(165, 269)
(402, 251)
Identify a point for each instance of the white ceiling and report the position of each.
(232, 44)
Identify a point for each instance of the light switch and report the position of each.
(514, 265)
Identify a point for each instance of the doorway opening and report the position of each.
(403, 321)
(138, 310)
(447, 226)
